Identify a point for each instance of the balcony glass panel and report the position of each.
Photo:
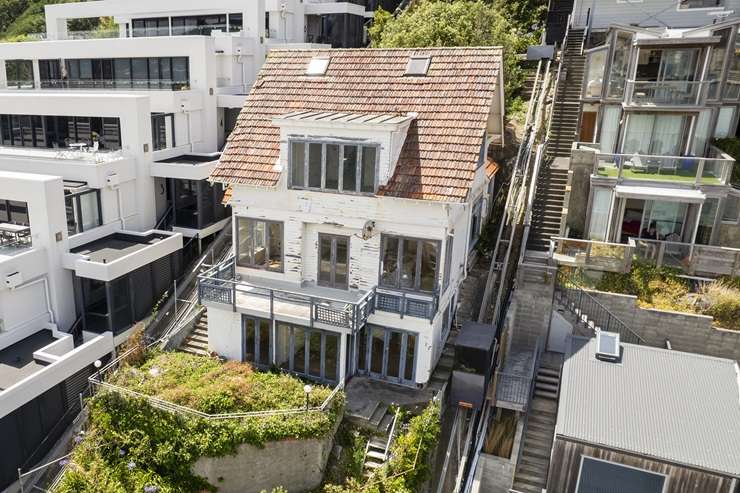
(619, 65)
(681, 170)
(716, 62)
(596, 62)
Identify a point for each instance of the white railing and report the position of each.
(674, 169)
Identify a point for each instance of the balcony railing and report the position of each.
(220, 285)
(674, 169)
(406, 304)
(665, 93)
(127, 84)
(691, 259)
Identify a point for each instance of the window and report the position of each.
(448, 261)
(655, 134)
(732, 209)
(732, 87)
(236, 23)
(19, 74)
(257, 340)
(59, 131)
(620, 64)
(333, 167)
(725, 119)
(387, 354)
(260, 244)
(83, 210)
(317, 66)
(602, 199)
(308, 352)
(706, 221)
(168, 73)
(717, 62)
(409, 263)
(50, 73)
(597, 476)
(418, 65)
(199, 25)
(159, 26)
(12, 211)
(333, 261)
(475, 223)
(163, 131)
(595, 63)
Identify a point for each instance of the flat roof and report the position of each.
(117, 245)
(476, 335)
(16, 361)
(668, 405)
(191, 159)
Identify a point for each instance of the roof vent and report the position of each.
(418, 65)
(318, 66)
(607, 346)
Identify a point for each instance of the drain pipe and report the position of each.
(120, 208)
(47, 292)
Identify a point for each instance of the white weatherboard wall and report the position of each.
(26, 304)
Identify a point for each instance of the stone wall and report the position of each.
(579, 187)
(686, 332)
(296, 465)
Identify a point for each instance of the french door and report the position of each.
(387, 354)
(333, 261)
(256, 340)
(308, 352)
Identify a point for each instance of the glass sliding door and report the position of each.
(257, 340)
(387, 354)
(655, 134)
(310, 353)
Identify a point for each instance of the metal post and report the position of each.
(174, 283)
(20, 479)
(81, 402)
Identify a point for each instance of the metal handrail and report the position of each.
(576, 304)
(390, 435)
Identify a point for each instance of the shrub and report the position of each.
(722, 302)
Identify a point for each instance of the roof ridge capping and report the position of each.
(420, 48)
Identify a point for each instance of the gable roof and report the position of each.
(452, 102)
(668, 405)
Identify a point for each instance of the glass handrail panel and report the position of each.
(667, 93)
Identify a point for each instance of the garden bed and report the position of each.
(133, 446)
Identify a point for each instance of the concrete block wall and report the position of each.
(532, 306)
(686, 332)
(578, 188)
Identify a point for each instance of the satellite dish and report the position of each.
(367, 230)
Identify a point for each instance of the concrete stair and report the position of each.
(374, 455)
(566, 107)
(547, 208)
(531, 469)
(197, 342)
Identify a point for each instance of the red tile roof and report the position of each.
(440, 154)
(492, 167)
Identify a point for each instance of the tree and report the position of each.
(453, 23)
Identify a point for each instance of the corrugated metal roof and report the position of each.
(669, 405)
(439, 157)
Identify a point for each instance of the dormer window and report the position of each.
(333, 166)
(317, 66)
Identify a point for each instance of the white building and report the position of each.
(360, 182)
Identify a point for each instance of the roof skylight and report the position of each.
(318, 66)
(418, 65)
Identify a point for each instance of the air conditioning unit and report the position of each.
(607, 346)
(13, 280)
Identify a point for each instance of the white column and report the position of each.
(343, 357)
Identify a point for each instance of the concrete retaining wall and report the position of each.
(686, 332)
(296, 465)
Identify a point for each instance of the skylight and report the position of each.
(418, 65)
(607, 346)
(318, 66)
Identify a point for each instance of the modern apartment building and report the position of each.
(360, 183)
(644, 170)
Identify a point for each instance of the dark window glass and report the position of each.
(314, 354)
(362, 349)
(138, 28)
(368, 170)
(282, 346)
(429, 260)
(264, 342)
(299, 350)
(297, 163)
(389, 276)
(408, 372)
(331, 358)
(140, 73)
(314, 165)
(122, 68)
(417, 263)
(377, 350)
(235, 22)
(154, 75)
(332, 167)
(180, 73)
(19, 74)
(349, 169)
(408, 263)
(260, 244)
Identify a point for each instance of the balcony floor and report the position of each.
(687, 177)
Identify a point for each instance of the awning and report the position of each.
(688, 195)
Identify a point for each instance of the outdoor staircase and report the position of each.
(553, 175)
(531, 470)
(197, 341)
(377, 449)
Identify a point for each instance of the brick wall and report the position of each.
(686, 332)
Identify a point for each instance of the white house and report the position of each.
(360, 182)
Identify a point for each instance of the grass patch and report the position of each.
(679, 176)
(132, 446)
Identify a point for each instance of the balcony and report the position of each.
(691, 259)
(676, 170)
(312, 305)
(406, 304)
(665, 93)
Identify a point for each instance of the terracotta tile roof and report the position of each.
(492, 167)
(441, 151)
(228, 192)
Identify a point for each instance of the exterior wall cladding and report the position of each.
(647, 13)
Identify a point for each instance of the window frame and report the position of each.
(448, 249)
(75, 197)
(399, 258)
(340, 185)
(618, 464)
(267, 222)
(334, 238)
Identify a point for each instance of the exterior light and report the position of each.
(307, 389)
(98, 364)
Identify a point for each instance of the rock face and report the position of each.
(296, 465)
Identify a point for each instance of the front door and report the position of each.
(588, 126)
(387, 354)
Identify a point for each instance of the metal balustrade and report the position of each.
(406, 304)
(220, 285)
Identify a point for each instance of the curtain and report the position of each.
(599, 214)
(609, 128)
(637, 136)
(701, 133)
(724, 121)
(667, 133)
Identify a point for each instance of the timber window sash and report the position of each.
(410, 264)
(260, 244)
(333, 166)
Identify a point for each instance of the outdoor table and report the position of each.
(15, 231)
(78, 146)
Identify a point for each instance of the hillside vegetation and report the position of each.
(19, 18)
